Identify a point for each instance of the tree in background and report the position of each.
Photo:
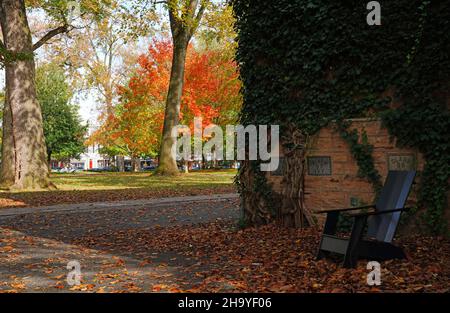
(64, 133)
(184, 18)
(216, 38)
(101, 55)
(217, 30)
(211, 91)
(135, 127)
(24, 154)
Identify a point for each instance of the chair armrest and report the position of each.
(347, 209)
(379, 212)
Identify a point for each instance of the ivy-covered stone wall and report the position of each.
(332, 176)
(306, 63)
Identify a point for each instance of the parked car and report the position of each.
(67, 170)
(149, 168)
(56, 169)
(103, 169)
(63, 170)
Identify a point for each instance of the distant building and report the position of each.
(89, 160)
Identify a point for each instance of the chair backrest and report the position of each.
(393, 196)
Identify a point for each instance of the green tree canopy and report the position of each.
(64, 132)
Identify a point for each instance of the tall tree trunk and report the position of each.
(26, 143)
(8, 163)
(109, 98)
(136, 164)
(184, 20)
(49, 160)
(167, 161)
(120, 163)
(215, 163)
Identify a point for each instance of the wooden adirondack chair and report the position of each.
(382, 223)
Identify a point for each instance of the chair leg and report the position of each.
(329, 229)
(321, 255)
(351, 257)
(331, 223)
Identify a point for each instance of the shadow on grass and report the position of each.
(77, 188)
(142, 180)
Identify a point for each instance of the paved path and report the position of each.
(36, 243)
(69, 221)
(134, 204)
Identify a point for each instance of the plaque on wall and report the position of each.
(279, 171)
(401, 162)
(319, 166)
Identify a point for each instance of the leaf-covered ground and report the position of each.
(198, 248)
(103, 187)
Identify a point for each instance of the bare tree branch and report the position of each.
(50, 35)
(198, 18)
(200, 13)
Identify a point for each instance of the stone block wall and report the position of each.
(332, 178)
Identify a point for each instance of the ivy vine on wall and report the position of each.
(310, 62)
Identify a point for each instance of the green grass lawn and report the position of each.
(105, 181)
(102, 187)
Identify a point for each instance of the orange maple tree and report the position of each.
(211, 91)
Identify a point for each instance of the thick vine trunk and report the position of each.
(167, 161)
(293, 212)
(256, 209)
(26, 144)
(287, 207)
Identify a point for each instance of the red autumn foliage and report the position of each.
(211, 91)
